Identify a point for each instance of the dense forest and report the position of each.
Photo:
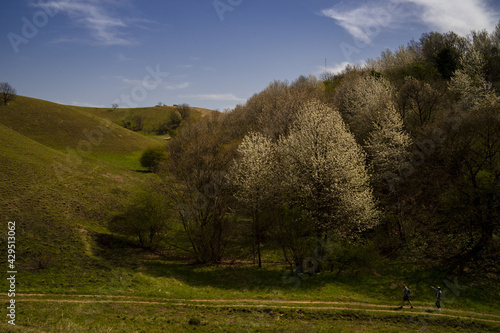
(396, 159)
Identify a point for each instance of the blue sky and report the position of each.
(207, 53)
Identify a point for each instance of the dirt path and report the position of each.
(258, 303)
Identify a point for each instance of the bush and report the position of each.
(146, 219)
(194, 321)
(184, 110)
(169, 125)
(152, 157)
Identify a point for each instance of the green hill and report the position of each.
(60, 126)
(151, 118)
(73, 130)
(53, 201)
(62, 185)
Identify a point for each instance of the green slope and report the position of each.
(71, 129)
(152, 116)
(60, 194)
(54, 208)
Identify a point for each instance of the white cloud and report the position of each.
(215, 97)
(105, 28)
(365, 22)
(177, 86)
(457, 16)
(335, 69)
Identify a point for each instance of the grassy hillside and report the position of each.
(71, 129)
(56, 200)
(152, 117)
(60, 195)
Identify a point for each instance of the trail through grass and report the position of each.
(127, 313)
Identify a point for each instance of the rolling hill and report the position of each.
(64, 172)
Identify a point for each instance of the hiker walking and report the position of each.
(439, 293)
(406, 296)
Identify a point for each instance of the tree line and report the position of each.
(400, 156)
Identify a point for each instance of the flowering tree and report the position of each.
(253, 175)
(324, 172)
(360, 99)
(469, 82)
(387, 146)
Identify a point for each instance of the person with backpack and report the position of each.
(406, 296)
(439, 293)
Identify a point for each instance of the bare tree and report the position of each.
(7, 92)
(420, 98)
(184, 110)
(199, 160)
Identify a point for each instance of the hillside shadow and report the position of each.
(235, 277)
(141, 171)
(118, 251)
(122, 253)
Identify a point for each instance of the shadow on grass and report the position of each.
(386, 286)
(234, 277)
(142, 171)
(120, 252)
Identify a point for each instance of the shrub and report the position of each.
(146, 219)
(184, 110)
(152, 157)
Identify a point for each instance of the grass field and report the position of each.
(157, 295)
(74, 275)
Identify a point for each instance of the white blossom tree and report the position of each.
(469, 82)
(253, 176)
(324, 172)
(388, 145)
(360, 99)
(315, 179)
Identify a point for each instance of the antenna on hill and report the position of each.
(325, 65)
